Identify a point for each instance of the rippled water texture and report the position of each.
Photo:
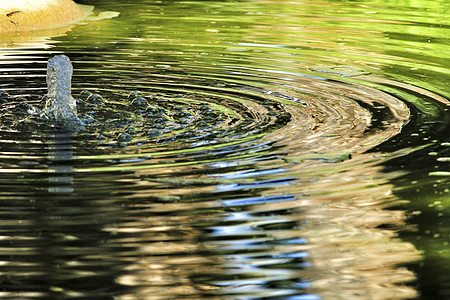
(231, 150)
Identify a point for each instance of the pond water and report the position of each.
(231, 150)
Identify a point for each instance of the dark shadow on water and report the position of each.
(426, 191)
(53, 243)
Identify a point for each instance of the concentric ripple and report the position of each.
(175, 146)
(310, 115)
(172, 146)
(230, 150)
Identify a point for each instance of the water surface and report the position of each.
(275, 150)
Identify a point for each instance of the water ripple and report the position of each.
(232, 150)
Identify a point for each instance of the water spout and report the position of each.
(60, 106)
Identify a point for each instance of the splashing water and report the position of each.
(60, 106)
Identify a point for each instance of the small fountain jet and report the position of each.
(60, 106)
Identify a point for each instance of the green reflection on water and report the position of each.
(406, 40)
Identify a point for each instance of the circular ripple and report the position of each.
(212, 122)
(220, 181)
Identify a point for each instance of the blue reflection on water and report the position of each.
(258, 200)
(250, 173)
(256, 184)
